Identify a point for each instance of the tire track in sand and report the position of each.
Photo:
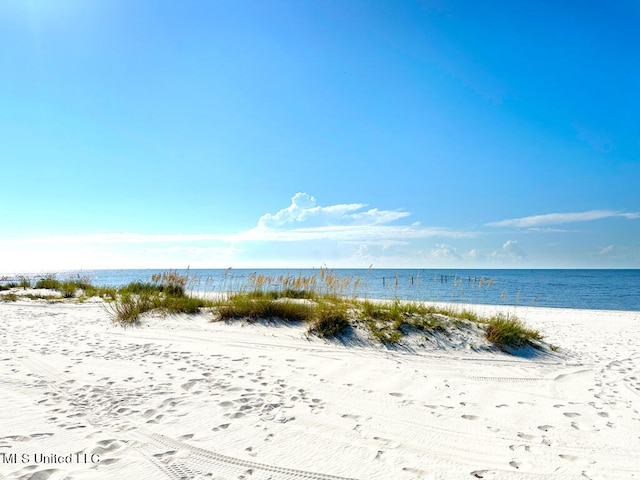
(176, 460)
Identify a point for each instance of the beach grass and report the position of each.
(166, 292)
(327, 304)
(49, 282)
(510, 331)
(9, 297)
(79, 288)
(128, 307)
(21, 282)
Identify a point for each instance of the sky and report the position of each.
(298, 134)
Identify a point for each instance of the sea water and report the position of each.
(588, 289)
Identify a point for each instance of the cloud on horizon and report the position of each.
(305, 233)
(561, 218)
(302, 220)
(302, 233)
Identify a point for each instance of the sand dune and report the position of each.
(182, 398)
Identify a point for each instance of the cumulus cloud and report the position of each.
(304, 211)
(302, 220)
(473, 254)
(512, 248)
(443, 251)
(560, 218)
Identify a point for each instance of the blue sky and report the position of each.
(167, 134)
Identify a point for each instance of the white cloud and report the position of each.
(608, 250)
(351, 233)
(383, 234)
(443, 251)
(560, 218)
(473, 254)
(513, 250)
(619, 255)
(303, 220)
(304, 211)
(304, 233)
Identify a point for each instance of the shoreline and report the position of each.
(561, 288)
(214, 294)
(184, 396)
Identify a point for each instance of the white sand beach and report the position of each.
(184, 398)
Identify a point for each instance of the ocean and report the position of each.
(587, 289)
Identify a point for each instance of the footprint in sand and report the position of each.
(485, 474)
(583, 427)
(105, 446)
(234, 415)
(569, 458)
(524, 466)
(351, 416)
(414, 471)
(149, 413)
(571, 414)
(546, 442)
(523, 449)
(470, 417)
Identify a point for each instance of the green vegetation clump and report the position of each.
(171, 283)
(182, 304)
(140, 288)
(510, 332)
(72, 287)
(166, 293)
(23, 282)
(252, 307)
(322, 301)
(68, 289)
(49, 282)
(331, 319)
(389, 322)
(313, 300)
(128, 307)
